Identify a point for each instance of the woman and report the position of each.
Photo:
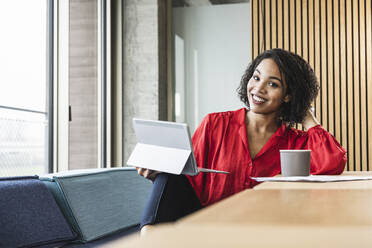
(278, 89)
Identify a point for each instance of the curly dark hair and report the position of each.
(302, 84)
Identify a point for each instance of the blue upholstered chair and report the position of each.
(99, 202)
(29, 215)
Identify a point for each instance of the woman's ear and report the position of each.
(287, 98)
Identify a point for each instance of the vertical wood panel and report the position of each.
(335, 37)
(267, 39)
(369, 79)
(253, 22)
(311, 32)
(286, 24)
(305, 30)
(260, 27)
(255, 16)
(349, 82)
(280, 24)
(292, 26)
(363, 96)
(330, 70)
(356, 85)
(299, 33)
(274, 23)
(316, 64)
(323, 65)
(343, 55)
(336, 68)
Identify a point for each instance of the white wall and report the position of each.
(217, 45)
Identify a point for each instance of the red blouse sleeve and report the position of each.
(200, 141)
(328, 157)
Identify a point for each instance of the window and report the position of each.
(24, 87)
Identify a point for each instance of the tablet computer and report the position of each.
(164, 146)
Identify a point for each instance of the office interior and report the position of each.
(110, 61)
(188, 72)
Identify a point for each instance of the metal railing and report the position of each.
(23, 142)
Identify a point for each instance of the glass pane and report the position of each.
(23, 25)
(23, 49)
(22, 143)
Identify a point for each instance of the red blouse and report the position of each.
(220, 143)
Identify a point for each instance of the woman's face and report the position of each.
(266, 89)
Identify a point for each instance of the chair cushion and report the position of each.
(29, 215)
(99, 202)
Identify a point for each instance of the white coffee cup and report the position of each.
(295, 162)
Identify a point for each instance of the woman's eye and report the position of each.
(256, 78)
(272, 84)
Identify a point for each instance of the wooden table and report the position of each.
(235, 236)
(367, 184)
(274, 216)
(290, 207)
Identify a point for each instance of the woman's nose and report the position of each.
(260, 86)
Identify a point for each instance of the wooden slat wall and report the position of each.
(335, 37)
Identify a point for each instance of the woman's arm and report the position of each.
(327, 155)
(200, 142)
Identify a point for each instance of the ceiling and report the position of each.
(189, 3)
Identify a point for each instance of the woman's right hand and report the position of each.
(147, 173)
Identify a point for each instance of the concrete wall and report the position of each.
(83, 84)
(140, 76)
(144, 83)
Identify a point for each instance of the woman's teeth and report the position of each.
(258, 99)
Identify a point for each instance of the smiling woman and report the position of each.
(278, 88)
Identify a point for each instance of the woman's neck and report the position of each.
(261, 123)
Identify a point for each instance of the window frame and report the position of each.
(49, 81)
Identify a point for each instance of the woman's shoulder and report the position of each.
(292, 131)
(218, 122)
(225, 115)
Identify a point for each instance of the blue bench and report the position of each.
(73, 207)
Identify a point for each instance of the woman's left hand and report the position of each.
(310, 120)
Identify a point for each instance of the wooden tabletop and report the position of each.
(366, 184)
(290, 207)
(325, 215)
(237, 236)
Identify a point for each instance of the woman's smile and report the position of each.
(257, 100)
